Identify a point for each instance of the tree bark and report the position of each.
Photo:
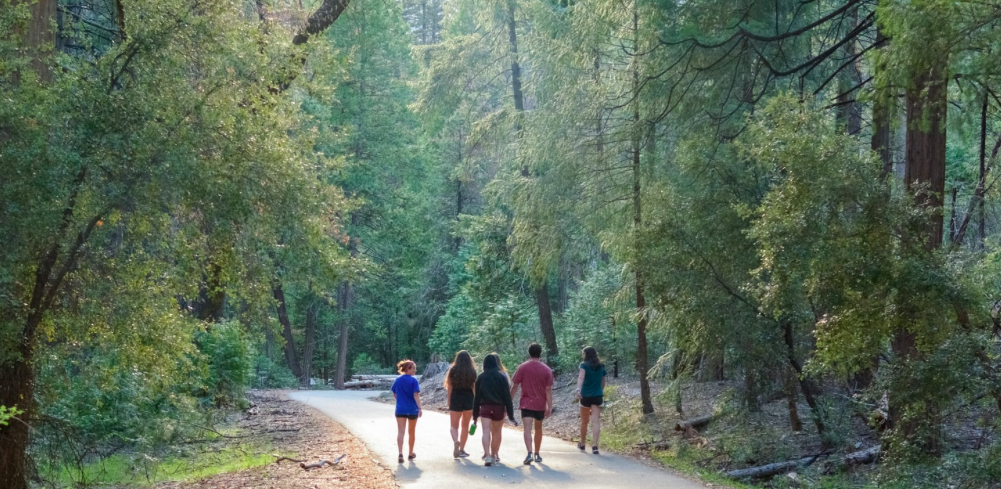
(882, 108)
(809, 390)
(795, 424)
(290, 354)
(17, 386)
(309, 340)
(924, 175)
(345, 296)
(642, 365)
(546, 322)
(40, 39)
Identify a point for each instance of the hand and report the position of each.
(420, 412)
(549, 411)
(514, 421)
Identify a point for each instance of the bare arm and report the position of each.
(549, 400)
(417, 398)
(514, 390)
(580, 381)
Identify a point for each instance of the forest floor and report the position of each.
(298, 432)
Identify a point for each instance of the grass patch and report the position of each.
(140, 470)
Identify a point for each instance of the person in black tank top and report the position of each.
(459, 382)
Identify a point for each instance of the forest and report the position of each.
(795, 200)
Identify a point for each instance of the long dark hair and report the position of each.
(492, 363)
(462, 374)
(591, 357)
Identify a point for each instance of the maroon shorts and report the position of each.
(492, 411)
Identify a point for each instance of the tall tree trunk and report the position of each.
(642, 365)
(542, 291)
(924, 174)
(882, 111)
(17, 387)
(982, 221)
(790, 387)
(345, 296)
(546, 322)
(810, 391)
(850, 111)
(40, 39)
(309, 340)
(290, 354)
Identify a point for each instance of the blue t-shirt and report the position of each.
(592, 380)
(404, 388)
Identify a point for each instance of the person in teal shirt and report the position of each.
(591, 393)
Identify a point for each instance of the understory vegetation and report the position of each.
(780, 216)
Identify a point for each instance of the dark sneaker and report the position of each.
(463, 454)
(538, 458)
(400, 460)
(528, 459)
(594, 450)
(580, 446)
(414, 455)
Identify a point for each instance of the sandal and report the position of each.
(400, 460)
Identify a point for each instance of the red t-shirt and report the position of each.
(534, 377)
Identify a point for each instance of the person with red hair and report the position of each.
(407, 392)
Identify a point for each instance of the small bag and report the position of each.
(472, 429)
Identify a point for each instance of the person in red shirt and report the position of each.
(536, 381)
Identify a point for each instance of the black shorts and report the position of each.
(461, 400)
(408, 416)
(591, 401)
(531, 413)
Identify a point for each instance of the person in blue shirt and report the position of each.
(407, 392)
(591, 392)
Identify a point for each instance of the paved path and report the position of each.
(563, 466)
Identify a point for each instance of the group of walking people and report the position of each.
(487, 398)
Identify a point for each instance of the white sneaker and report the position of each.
(455, 450)
(488, 461)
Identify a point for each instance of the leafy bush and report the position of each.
(273, 375)
(228, 355)
(365, 364)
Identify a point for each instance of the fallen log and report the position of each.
(360, 384)
(867, 456)
(693, 422)
(321, 463)
(771, 469)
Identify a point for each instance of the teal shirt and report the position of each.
(592, 380)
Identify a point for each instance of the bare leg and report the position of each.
(538, 436)
(454, 417)
(401, 426)
(595, 423)
(413, 428)
(486, 436)
(466, 417)
(585, 416)
(495, 437)
(528, 433)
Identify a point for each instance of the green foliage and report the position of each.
(228, 355)
(272, 375)
(8, 413)
(366, 365)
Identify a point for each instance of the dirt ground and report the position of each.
(299, 432)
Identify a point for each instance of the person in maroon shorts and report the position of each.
(491, 400)
(536, 381)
